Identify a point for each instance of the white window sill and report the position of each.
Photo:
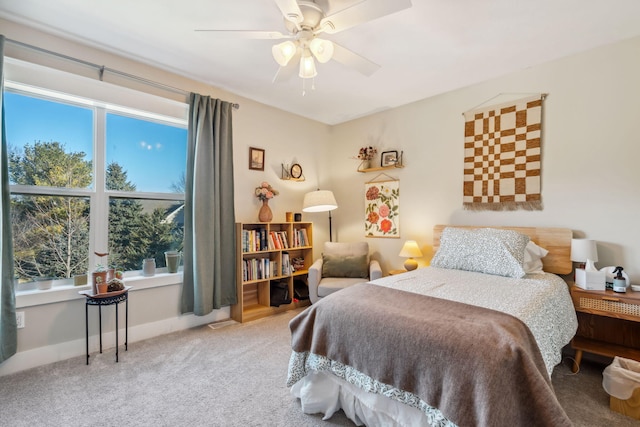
(62, 293)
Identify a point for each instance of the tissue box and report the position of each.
(591, 280)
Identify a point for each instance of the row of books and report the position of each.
(265, 268)
(278, 240)
(259, 268)
(254, 240)
(300, 237)
(261, 240)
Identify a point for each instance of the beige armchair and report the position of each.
(341, 265)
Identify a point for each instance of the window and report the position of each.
(87, 176)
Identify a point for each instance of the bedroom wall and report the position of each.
(590, 173)
(588, 179)
(55, 329)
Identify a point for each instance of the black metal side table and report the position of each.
(100, 300)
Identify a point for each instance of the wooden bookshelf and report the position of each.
(261, 259)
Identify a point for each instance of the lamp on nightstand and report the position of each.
(410, 250)
(585, 252)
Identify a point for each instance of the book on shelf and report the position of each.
(276, 241)
(263, 239)
(285, 241)
(286, 264)
(305, 238)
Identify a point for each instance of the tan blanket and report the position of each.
(479, 367)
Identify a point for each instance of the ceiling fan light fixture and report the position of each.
(321, 49)
(283, 52)
(307, 66)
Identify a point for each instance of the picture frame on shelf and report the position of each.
(256, 159)
(296, 171)
(389, 158)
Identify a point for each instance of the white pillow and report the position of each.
(533, 255)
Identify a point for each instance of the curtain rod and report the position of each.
(102, 69)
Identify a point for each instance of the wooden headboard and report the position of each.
(556, 240)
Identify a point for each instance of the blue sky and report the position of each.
(152, 154)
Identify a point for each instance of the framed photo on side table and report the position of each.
(388, 158)
(256, 159)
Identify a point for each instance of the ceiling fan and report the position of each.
(304, 22)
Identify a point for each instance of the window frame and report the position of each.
(99, 197)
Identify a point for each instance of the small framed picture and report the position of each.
(388, 158)
(256, 159)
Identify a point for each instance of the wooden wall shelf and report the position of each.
(381, 168)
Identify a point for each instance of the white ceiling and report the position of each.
(433, 47)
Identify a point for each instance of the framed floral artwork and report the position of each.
(382, 209)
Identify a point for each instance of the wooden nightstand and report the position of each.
(608, 323)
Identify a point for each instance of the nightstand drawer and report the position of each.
(607, 307)
(607, 303)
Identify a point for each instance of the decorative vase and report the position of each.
(265, 214)
(149, 267)
(366, 164)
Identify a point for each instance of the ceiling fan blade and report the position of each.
(353, 60)
(285, 73)
(242, 34)
(290, 10)
(361, 12)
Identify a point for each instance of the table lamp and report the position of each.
(585, 252)
(410, 250)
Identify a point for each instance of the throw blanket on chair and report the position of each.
(477, 366)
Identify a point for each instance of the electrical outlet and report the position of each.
(20, 319)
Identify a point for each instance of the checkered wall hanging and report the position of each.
(502, 152)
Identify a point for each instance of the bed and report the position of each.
(470, 340)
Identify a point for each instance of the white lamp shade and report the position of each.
(321, 49)
(283, 52)
(307, 66)
(319, 201)
(583, 250)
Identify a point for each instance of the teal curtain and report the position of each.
(8, 327)
(209, 220)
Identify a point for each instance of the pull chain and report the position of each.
(313, 85)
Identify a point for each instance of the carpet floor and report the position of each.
(231, 375)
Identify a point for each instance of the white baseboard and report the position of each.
(66, 350)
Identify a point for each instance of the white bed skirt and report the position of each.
(323, 393)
